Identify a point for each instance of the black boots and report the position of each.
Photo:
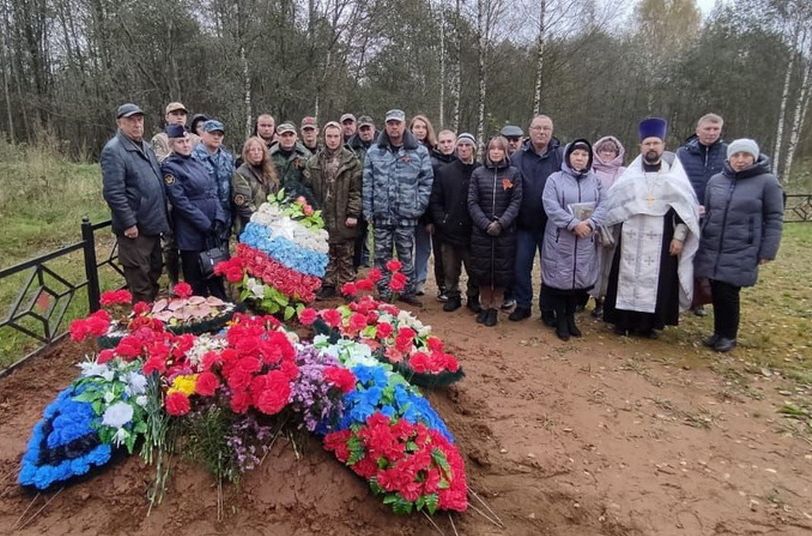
(490, 319)
(473, 304)
(452, 304)
(520, 313)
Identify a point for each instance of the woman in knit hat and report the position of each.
(744, 211)
(569, 257)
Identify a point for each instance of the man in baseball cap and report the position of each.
(175, 114)
(220, 164)
(309, 130)
(289, 157)
(348, 124)
(134, 191)
(397, 157)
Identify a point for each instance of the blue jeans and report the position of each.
(527, 244)
(422, 251)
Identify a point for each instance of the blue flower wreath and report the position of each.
(63, 444)
(284, 251)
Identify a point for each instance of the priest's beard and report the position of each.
(652, 157)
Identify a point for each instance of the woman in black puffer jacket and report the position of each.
(494, 197)
(744, 212)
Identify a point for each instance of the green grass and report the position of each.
(42, 203)
(776, 316)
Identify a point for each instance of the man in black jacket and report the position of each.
(537, 159)
(452, 223)
(134, 191)
(359, 144)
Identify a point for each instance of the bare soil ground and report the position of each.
(597, 436)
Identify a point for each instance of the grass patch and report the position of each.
(42, 203)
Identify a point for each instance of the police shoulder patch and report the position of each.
(239, 199)
(169, 180)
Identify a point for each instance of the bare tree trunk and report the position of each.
(6, 58)
(482, 45)
(442, 67)
(782, 112)
(456, 80)
(540, 42)
(798, 120)
(246, 77)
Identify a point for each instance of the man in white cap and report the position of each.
(656, 214)
(175, 114)
(348, 125)
(396, 190)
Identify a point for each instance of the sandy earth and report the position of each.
(594, 436)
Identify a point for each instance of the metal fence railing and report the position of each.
(39, 307)
(798, 208)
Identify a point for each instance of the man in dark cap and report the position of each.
(220, 164)
(309, 130)
(348, 125)
(513, 135)
(656, 214)
(290, 157)
(133, 190)
(198, 218)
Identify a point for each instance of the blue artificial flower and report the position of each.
(68, 420)
(284, 251)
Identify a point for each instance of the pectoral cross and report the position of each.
(650, 199)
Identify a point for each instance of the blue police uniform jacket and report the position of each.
(195, 203)
(221, 166)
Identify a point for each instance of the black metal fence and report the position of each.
(39, 308)
(798, 208)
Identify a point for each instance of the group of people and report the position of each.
(638, 239)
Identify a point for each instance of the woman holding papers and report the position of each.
(569, 260)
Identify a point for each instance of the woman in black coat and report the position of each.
(744, 212)
(494, 196)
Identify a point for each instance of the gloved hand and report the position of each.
(494, 228)
(219, 229)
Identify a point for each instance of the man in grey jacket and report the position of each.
(396, 189)
(134, 192)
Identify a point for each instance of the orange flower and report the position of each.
(507, 184)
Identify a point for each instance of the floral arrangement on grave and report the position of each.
(281, 258)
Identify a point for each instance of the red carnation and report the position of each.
(177, 404)
(374, 275)
(421, 363)
(115, 297)
(182, 289)
(240, 400)
(340, 377)
(384, 330)
(336, 442)
(398, 282)
(435, 344)
(105, 356)
(274, 394)
(349, 289)
(154, 364)
(141, 308)
(357, 322)
(393, 265)
(207, 383)
(331, 317)
(364, 285)
(307, 316)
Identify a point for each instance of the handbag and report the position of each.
(702, 292)
(216, 252)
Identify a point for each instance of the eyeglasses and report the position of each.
(537, 128)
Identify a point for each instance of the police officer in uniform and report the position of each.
(198, 218)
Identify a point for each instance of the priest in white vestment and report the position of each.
(653, 215)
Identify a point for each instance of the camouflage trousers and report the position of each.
(339, 267)
(401, 240)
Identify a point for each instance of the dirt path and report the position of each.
(599, 436)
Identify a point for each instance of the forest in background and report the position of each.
(472, 65)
